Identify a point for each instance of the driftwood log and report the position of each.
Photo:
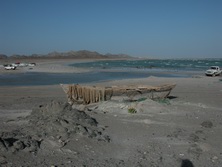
(93, 94)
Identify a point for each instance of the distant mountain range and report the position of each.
(82, 54)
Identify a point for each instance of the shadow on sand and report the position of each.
(186, 163)
(172, 97)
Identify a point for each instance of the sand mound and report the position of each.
(55, 121)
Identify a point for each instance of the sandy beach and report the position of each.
(38, 128)
(47, 66)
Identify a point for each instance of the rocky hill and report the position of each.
(2, 56)
(82, 54)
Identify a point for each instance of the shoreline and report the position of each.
(63, 66)
(59, 71)
(92, 77)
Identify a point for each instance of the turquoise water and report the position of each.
(171, 64)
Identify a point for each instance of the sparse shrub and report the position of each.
(132, 110)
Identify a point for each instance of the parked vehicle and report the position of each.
(32, 64)
(213, 71)
(9, 67)
(23, 65)
(15, 64)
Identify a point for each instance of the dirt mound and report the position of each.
(16, 141)
(55, 121)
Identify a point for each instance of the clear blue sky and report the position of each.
(143, 28)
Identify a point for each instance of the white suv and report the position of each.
(9, 67)
(213, 71)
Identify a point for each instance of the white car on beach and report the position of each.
(9, 67)
(213, 71)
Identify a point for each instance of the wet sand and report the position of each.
(184, 129)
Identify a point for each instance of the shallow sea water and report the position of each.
(118, 69)
(31, 78)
